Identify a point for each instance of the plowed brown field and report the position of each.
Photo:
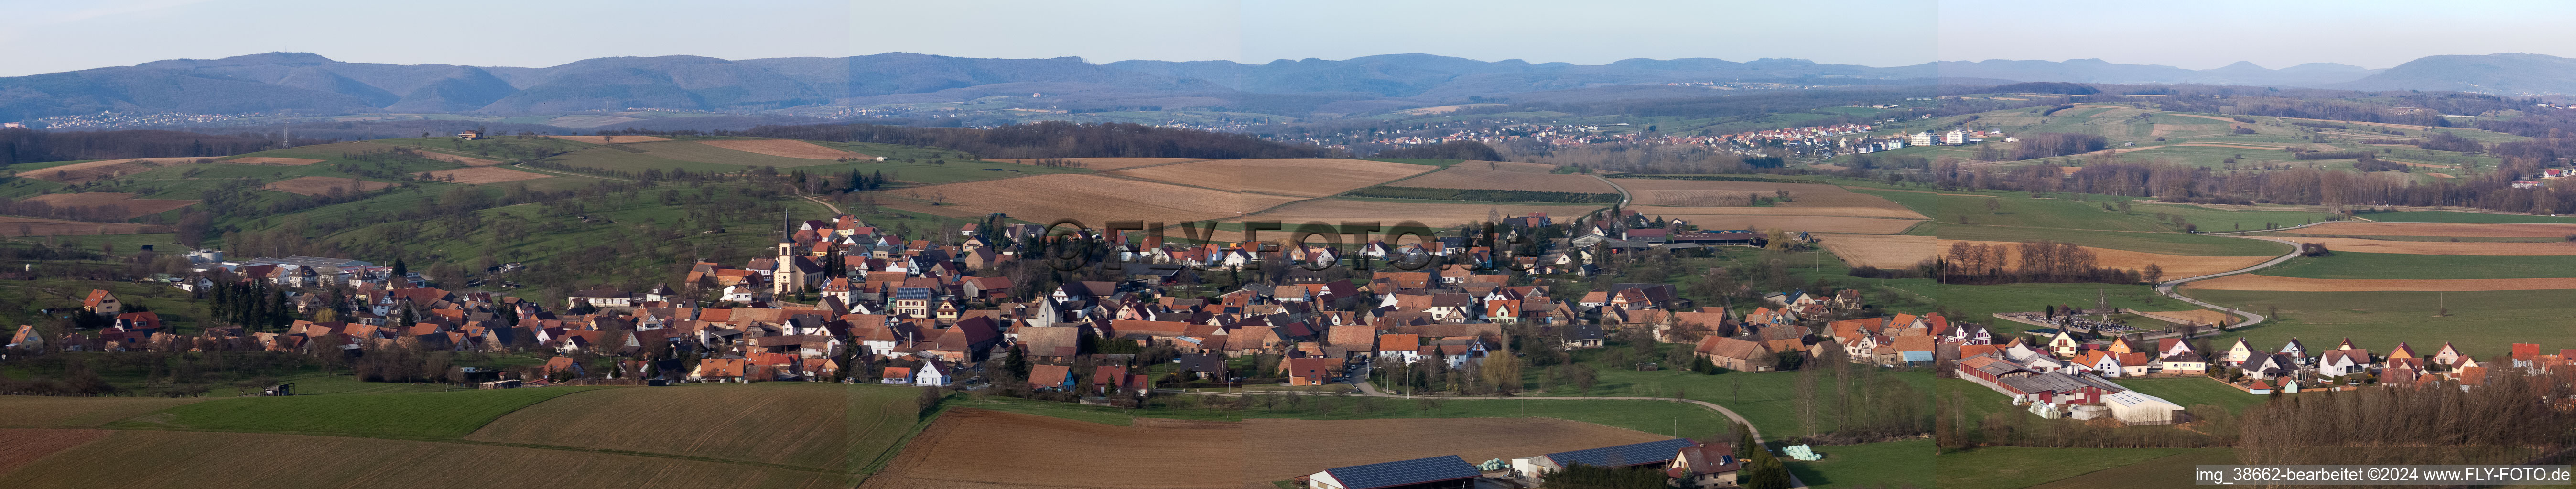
(1508, 166)
(1475, 176)
(84, 172)
(323, 185)
(958, 451)
(2440, 229)
(271, 160)
(608, 140)
(827, 426)
(21, 447)
(1429, 214)
(212, 460)
(1905, 251)
(1093, 199)
(1302, 177)
(133, 206)
(485, 174)
(457, 159)
(2442, 247)
(1685, 193)
(77, 412)
(2293, 284)
(784, 147)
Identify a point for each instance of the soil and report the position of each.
(2293, 284)
(1476, 176)
(2441, 229)
(1302, 177)
(784, 147)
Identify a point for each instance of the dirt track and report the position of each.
(961, 449)
(2292, 284)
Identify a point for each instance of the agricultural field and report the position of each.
(2457, 216)
(1718, 193)
(484, 174)
(2266, 282)
(2447, 230)
(783, 147)
(955, 450)
(2021, 467)
(2164, 243)
(1301, 177)
(2471, 248)
(325, 185)
(1092, 199)
(133, 207)
(29, 226)
(611, 139)
(78, 412)
(1436, 215)
(824, 426)
(2481, 323)
(408, 415)
(179, 459)
(1765, 399)
(1869, 465)
(1476, 176)
(84, 172)
(2194, 391)
(1905, 251)
(270, 160)
(2360, 265)
(2168, 471)
(1107, 164)
(24, 446)
(708, 152)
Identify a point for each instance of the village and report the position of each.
(839, 300)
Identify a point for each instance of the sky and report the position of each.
(49, 35)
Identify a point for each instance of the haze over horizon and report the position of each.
(1871, 33)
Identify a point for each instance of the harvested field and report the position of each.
(2440, 229)
(1681, 193)
(177, 459)
(2195, 316)
(784, 147)
(2292, 284)
(84, 172)
(271, 160)
(1117, 163)
(29, 226)
(78, 412)
(1474, 176)
(484, 174)
(2233, 145)
(1853, 225)
(1869, 212)
(1429, 214)
(825, 426)
(608, 140)
(21, 447)
(955, 451)
(324, 185)
(2442, 247)
(133, 207)
(1302, 177)
(1882, 251)
(457, 159)
(1093, 199)
(1905, 251)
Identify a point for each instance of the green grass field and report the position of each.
(803, 424)
(2351, 265)
(1980, 302)
(1908, 463)
(407, 415)
(1768, 400)
(2169, 471)
(2020, 467)
(2481, 323)
(2194, 391)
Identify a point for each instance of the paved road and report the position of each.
(1623, 191)
(2167, 288)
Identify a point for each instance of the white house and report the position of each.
(2338, 363)
(929, 374)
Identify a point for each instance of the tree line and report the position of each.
(31, 145)
(2038, 261)
(1052, 139)
(1446, 150)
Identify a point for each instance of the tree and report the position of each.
(2155, 274)
(1993, 205)
(930, 398)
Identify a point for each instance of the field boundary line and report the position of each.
(2168, 288)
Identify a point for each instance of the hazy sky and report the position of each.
(50, 35)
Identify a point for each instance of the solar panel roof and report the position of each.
(1623, 455)
(1397, 473)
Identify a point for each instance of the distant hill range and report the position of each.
(312, 83)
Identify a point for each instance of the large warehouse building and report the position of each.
(1442, 472)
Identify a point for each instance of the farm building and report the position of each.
(1534, 469)
(2137, 408)
(1705, 466)
(1442, 472)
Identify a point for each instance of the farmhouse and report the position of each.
(1704, 466)
(1442, 472)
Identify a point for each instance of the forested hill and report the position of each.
(28, 146)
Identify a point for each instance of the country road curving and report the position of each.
(2167, 287)
(1370, 389)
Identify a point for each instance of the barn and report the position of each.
(1657, 453)
(1442, 472)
